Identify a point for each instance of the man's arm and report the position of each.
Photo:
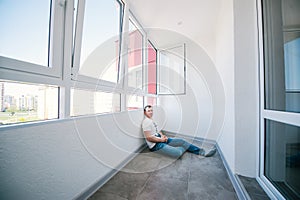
(153, 138)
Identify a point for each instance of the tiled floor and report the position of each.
(153, 176)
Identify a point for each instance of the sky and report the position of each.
(24, 25)
(101, 23)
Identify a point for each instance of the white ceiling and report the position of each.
(196, 19)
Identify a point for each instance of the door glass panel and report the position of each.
(282, 157)
(292, 70)
(282, 49)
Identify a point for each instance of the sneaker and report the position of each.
(211, 152)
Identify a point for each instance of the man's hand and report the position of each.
(165, 138)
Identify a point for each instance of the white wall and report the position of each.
(200, 112)
(246, 87)
(222, 94)
(189, 114)
(224, 59)
(61, 159)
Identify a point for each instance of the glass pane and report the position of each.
(135, 57)
(101, 40)
(150, 101)
(23, 35)
(151, 85)
(22, 102)
(282, 51)
(292, 70)
(74, 21)
(282, 157)
(134, 102)
(85, 102)
(171, 71)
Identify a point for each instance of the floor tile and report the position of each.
(162, 188)
(126, 185)
(106, 196)
(142, 163)
(176, 169)
(203, 194)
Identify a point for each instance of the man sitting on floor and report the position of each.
(173, 147)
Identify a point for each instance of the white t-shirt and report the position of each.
(149, 125)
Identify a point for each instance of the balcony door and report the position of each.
(280, 111)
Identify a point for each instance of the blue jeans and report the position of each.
(175, 147)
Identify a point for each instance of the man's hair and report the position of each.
(147, 106)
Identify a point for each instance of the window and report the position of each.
(151, 83)
(96, 58)
(150, 101)
(134, 102)
(31, 57)
(22, 102)
(172, 70)
(86, 102)
(135, 57)
(22, 28)
(100, 47)
(30, 43)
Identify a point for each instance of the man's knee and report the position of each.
(178, 153)
(177, 141)
(182, 140)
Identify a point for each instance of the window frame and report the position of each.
(136, 95)
(48, 86)
(131, 91)
(77, 44)
(139, 27)
(10, 66)
(184, 70)
(65, 45)
(146, 71)
(150, 95)
(90, 89)
(59, 41)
